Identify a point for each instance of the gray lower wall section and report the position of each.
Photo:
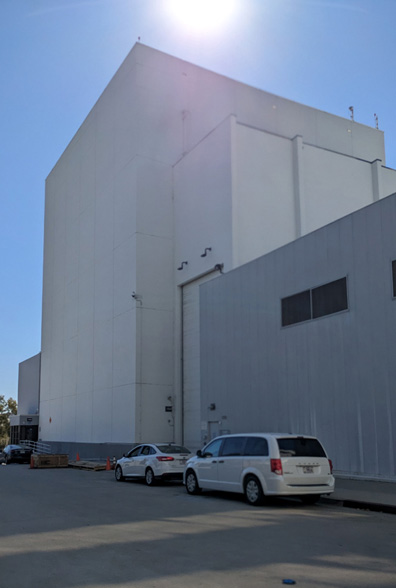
(29, 385)
(89, 451)
(333, 377)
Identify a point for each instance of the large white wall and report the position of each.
(333, 186)
(154, 310)
(263, 193)
(203, 204)
(283, 188)
(172, 159)
(89, 319)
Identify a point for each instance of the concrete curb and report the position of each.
(360, 504)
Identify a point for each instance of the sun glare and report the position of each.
(202, 15)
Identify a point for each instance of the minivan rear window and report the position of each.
(256, 446)
(300, 447)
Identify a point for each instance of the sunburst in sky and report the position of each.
(202, 16)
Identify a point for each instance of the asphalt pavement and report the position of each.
(361, 493)
(72, 528)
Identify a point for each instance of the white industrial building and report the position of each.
(303, 339)
(176, 176)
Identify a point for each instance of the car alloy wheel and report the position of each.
(253, 491)
(118, 474)
(149, 477)
(192, 483)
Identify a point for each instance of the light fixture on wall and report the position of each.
(219, 267)
(183, 263)
(205, 253)
(137, 297)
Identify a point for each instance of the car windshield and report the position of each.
(173, 449)
(300, 447)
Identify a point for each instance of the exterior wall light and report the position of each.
(205, 253)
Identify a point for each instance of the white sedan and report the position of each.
(152, 462)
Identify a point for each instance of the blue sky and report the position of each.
(57, 56)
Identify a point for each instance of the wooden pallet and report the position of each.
(43, 460)
(87, 465)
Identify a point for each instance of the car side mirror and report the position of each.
(199, 453)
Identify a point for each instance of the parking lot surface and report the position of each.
(70, 528)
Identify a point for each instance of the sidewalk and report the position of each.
(369, 494)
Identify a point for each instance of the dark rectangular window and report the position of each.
(321, 301)
(296, 309)
(329, 298)
(394, 277)
(256, 446)
(233, 446)
(300, 447)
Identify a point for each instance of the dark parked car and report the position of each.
(16, 453)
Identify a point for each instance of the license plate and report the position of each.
(308, 470)
(183, 461)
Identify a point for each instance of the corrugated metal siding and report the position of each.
(334, 377)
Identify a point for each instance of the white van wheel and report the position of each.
(253, 491)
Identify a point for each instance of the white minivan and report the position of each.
(262, 464)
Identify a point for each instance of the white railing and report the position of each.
(37, 446)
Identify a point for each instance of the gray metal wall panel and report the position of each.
(334, 377)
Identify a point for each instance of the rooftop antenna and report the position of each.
(376, 120)
(351, 109)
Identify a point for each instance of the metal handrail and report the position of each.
(37, 446)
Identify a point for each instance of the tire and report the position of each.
(119, 476)
(253, 491)
(192, 486)
(149, 477)
(310, 498)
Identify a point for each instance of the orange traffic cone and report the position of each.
(31, 462)
(78, 457)
(108, 466)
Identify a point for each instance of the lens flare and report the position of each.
(202, 15)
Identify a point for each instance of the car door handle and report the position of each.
(214, 461)
(221, 461)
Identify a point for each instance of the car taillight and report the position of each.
(331, 466)
(276, 466)
(165, 458)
